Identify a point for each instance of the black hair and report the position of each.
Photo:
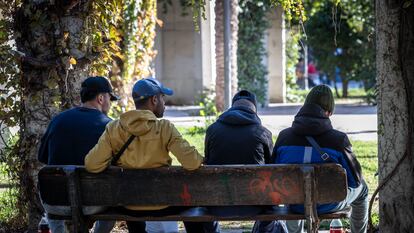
(141, 102)
(87, 95)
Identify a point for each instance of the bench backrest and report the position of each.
(207, 186)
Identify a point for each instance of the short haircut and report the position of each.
(87, 95)
(141, 102)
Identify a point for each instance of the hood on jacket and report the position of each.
(138, 122)
(311, 120)
(239, 116)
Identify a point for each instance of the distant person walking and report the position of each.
(313, 75)
(300, 74)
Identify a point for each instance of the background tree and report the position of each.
(248, 30)
(10, 114)
(251, 50)
(219, 36)
(341, 36)
(395, 80)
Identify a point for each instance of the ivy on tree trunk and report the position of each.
(55, 46)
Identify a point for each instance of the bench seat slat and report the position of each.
(207, 186)
(202, 214)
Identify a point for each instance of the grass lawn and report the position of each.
(355, 95)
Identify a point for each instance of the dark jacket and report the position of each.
(70, 135)
(238, 137)
(292, 147)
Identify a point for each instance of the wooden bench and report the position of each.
(248, 185)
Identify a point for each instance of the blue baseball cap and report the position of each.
(148, 87)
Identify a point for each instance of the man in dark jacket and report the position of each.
(72, 133)
(238, 137)
(312, 130)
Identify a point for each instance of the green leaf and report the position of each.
(407, 4)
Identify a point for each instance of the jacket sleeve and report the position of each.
(206, 146)
(352, 160)
(100, 156)
(268, 147)
(43, 153)
(186, 154)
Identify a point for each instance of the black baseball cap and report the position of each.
(98, 84)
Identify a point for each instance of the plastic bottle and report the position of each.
(43, 226)
(336, 226)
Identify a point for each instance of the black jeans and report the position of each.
(139, 226)
(190, 227)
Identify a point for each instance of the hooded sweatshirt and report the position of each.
(292, 147)
(150, 148)
(238, 137)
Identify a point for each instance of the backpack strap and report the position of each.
(118, 155)
(324, 156)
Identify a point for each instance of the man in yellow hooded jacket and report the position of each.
(151, 139)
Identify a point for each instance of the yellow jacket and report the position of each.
(150, 149)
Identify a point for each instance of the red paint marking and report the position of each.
(275, 189)
(260, 184)
(185, 195)
(275, 197)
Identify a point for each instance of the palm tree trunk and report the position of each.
(219, 27)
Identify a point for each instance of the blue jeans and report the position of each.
(63, 226)
(162, 227)
(357, 198)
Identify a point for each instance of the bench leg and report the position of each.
(78, 220)
(312, 220)
(309, 225)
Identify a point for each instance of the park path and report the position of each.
(358, 121)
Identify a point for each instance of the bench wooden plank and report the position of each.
(202, 214)
(207, 186)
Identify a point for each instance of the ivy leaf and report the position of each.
(65, 35)
(72, 61)
(407, 4)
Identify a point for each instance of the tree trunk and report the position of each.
(53, 39)
(395, 77)
(219, 27)
(234, 43)
(332, 77)
(345, 83)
